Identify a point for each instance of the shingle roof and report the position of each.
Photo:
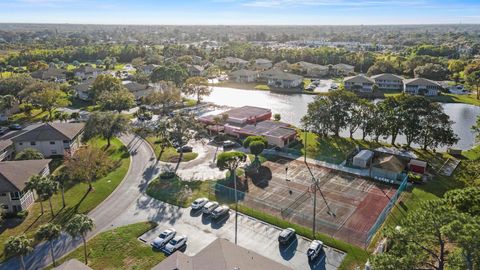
(72, 264)
(4, 144)
(220, 255)
(134, 86)
(387, 76)
(269, 128)
(14, 174)
(420, 81)
(244, 72)
(51, 132)
(280, 75)
(359, 79)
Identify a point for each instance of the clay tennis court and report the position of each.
(354, 202)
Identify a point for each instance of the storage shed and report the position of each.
(363, 158)
(417, 166)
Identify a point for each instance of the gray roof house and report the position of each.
(50, 74)
(86, 72)
(13, 176)
(312, 70)
(243, 76)
(360, 83)
(421, 86)
(51, 139)
(343, 69)
(262, 64)
(388, 81)
(82, 90)
(195, 70)
(138, 90)
(280, 79)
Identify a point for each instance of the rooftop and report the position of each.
(14, 174)
(269, 128)
(51, 132)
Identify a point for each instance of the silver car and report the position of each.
(175, 244)
(164, 238)
(314, 249)
(199, 203)
(209, 207)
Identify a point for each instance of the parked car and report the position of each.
(175, 244)
(185, 149)
(3, 130)
(199, 203)
(286, 236)
(230, 144)
(314, 249)
(15, 127)
(209, 207)
(164, 238)
(220, 211)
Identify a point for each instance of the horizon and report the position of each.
(241, 12)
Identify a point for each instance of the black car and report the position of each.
(185, 149)
(286, 236)
(15, 127)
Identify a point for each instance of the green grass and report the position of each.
(78, 200)
(189, 102)
(169, 154)
(174, 190)
(262, 87)
(445, 98)
(77, 103)
(472, 154)
(306, 83)
(119, 249)
(36, 115)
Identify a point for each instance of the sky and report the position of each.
(240, 12)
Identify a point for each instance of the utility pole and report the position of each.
(315, 186)
(236, 203)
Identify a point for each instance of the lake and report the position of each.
(292, 107)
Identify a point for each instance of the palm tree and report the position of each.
(60, 179)
(47, 188)
(80, 225)
(49, 232)
(19, 246)
(33, 185)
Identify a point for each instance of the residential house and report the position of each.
(86, 72)
(51, 139)
(312, 70)
(279, 79)
(387, 81)
(262, 64)
(220, 254)
(343, 69)
(360, 83)
(13, 178)
(138, 90)
(195, 70)
(83, 90)
(147, 69)
(282, 65)
(231, 63)
(72, 264)
(6, 149)
(50, 74)
(243, 76)
(421, 86)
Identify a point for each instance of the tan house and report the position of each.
(243, 76)
(220, 255)
(82, 90)
(50, 74)
(360, 83)
(51, 139)
(86, 72)
(13, 176)
(421, 86)
(280, 79)
(138, 90)
(388, 81)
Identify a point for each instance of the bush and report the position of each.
(415, 178)
(22, 214)
(167, 175)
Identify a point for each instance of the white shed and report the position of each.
(363, 158)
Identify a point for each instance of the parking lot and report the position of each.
(252, 234)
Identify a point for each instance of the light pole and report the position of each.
(236, 203)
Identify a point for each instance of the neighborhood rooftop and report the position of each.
(13, 174)
(51, 132)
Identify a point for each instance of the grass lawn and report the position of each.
(169, 153)
(455, 98)
(76, 196)
(472, 154)
(188, 102)
(36, 115)
(262, 87)
(77, 103)
(331, 149)
(175, 191)
(119, 249)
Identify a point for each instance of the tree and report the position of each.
(317, 119)
(431, 71)
(256, 144)
(28, 154)
(414, 108)
(174, 73)
(116, 101)
(473, 79)
(78, 226)
(19, 246)
(436, 128)
(277, 117)
(7, 102)
(105, 83)
(49, 232)
(230, 161)
(46, 189)
(391, 111)
(60, 179)
(168, 96)
(50, 99)
(33, 184)
(106, 125)
(88, 164)
(197, 86)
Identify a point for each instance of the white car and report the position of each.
(220, 211)
(199, 203)
(314, 249)
(209, 207)
(164, 238)
(175, 244)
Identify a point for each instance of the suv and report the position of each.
(164, 238)
(199, 203)
(220, 211)
(314, 249)
(15, 127)
(229, 144)
(175, 244)
(286, 236)
(209, 207)
(185, 149)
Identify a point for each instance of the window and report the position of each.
(54, 152)
(66, 141)
(52, 142)
(15, 195)
(20, 143)
(33, 143)
(3, 194)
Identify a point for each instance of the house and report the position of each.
(72, 264)
(51, 139)
(282, 65)
(50, 74)
(243, 76)
(421, 86)
(6, 149)
(231, 62)
(343, 69)
(281, 79)
(311, 70)
(277, 133)
(86, 72)
(138, 90)
(360, 83)
(83, 90)
(262, 64)
(387, 81)
(147, 69)
(13, 176)
(195, 70)
(220, 254)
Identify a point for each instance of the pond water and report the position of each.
(292, 107)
